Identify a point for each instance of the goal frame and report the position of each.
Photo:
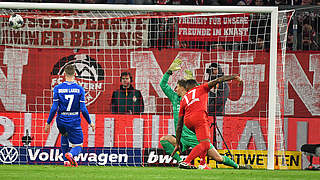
(174, 8)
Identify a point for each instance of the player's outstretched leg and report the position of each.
(225, 159)
(229, 162)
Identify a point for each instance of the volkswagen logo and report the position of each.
(8, 154)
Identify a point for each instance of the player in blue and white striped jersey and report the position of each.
(68, 100)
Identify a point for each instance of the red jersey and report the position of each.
(195, 100)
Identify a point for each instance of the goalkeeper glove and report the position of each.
(188, 75)
(175, 66)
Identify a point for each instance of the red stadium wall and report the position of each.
(40, 72)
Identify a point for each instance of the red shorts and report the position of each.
(198, 123)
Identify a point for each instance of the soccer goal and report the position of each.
(105, 40)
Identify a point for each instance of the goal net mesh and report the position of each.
(102, 45)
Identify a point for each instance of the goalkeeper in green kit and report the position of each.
(188, 137)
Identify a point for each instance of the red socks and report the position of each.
(199, 151)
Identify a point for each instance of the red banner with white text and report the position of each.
(64, 32)
(231, 27)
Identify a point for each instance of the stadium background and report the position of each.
(302, 103)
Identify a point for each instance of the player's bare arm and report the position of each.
(213, 83)
(46, 128)
(178, 135)
(92, 126)
(179, 128)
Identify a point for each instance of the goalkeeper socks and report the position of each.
(229, 162)
(76, 150)
(198, 150)
(168, 147)
(64, 146)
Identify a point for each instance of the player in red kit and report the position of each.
(193, 113)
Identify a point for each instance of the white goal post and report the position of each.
(272, 92)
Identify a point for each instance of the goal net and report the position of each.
(103, 41)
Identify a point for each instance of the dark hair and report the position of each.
(126, 74)
(70, 69)
(182, 83)
(191, 83)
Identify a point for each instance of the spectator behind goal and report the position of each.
(127, 100)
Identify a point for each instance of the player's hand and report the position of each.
(176, 149)
(175, 65)
(46, 128)
(92, 127)
(188, 75)
(237, 78)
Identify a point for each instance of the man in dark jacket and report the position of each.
(127, 100)
(219, 95)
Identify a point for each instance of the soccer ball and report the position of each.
(15, 21)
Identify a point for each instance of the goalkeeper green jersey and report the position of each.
(188, 137)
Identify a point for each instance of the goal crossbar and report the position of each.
(155, 8)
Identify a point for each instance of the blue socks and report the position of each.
(76, 150)
(64, 146)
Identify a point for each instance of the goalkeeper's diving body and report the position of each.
(188, 137)
(68, 100)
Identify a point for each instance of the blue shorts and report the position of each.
(72, 132)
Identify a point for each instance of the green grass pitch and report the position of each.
(36, 172)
